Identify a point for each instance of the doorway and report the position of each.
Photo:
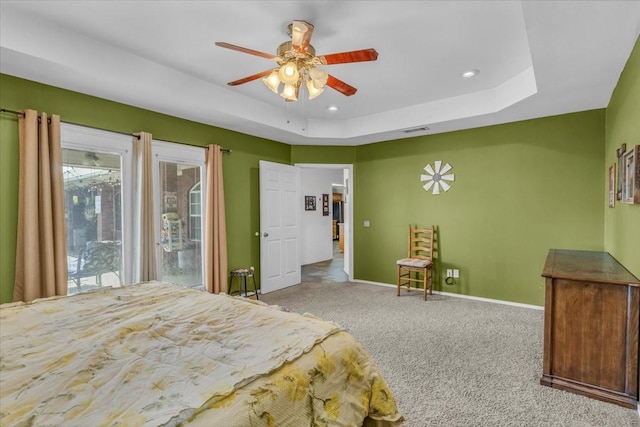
(326, 237)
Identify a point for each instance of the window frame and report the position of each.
(199, 215)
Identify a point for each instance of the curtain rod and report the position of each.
(224, 150)
(17, 113)
(20, 113)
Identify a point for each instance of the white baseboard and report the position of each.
(373, 283)
(451, 294)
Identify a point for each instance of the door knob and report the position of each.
(265, 234)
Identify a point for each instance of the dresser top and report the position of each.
(591, 266)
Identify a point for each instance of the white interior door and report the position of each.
(279, 226)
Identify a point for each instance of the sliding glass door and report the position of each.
(98, 188)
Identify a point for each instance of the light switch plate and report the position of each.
(456, 274)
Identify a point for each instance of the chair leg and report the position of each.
(398, 282)
(431, 281)
(255, 287)
(425, 279)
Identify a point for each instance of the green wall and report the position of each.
(9, 155)
(622, 223)
(240, 167)
(520, 189)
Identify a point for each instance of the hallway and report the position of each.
(326, 271)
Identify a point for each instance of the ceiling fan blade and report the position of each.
(301, 32)
(245, 50)
(352, 56)
(250, 78)
(340, 86)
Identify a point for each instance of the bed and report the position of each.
(157, 354)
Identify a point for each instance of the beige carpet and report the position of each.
(451, 361)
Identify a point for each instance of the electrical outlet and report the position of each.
(456, 274)
(449, 272)
(367, 223)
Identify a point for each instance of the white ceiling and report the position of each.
(536, 59)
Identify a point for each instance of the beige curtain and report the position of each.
(144, 265)
(215, 252)
(41, 251)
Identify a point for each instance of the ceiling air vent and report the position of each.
(420, 129)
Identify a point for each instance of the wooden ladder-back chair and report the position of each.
(418, 266)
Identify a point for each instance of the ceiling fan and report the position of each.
(298, 65)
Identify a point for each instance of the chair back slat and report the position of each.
(421, 242)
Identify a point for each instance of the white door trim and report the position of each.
(348, 213)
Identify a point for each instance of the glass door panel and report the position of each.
(93, 216)
(181, 227)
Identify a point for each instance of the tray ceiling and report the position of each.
(536, 59)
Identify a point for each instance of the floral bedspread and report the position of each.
(158, 354)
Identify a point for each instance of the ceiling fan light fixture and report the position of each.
(318, 77)
(298, 30)
(313, 90)
(297, 62)
(272, 81)
(289, 73)
(290, 92)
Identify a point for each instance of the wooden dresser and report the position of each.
(591, 326)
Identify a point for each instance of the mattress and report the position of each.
(157, 354)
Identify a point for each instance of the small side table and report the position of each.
(243, 274)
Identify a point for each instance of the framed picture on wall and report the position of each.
(631, 176)
(620, 154)
(309, 203)
(636, 174)
(325, 205)
(612, 185)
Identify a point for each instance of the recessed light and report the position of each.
(332, 108)
(470, 73)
